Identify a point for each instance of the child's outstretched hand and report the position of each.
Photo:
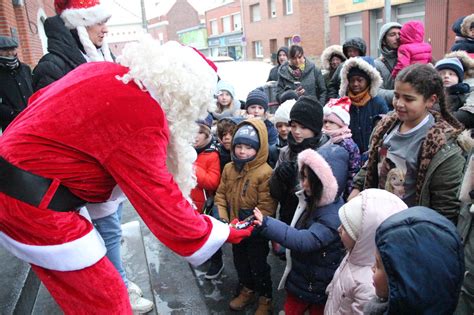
(258, 217)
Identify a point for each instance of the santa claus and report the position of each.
(104, 124)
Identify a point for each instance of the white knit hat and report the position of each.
(339, 107)
(282, 114)
(78, 14)
(350, 215)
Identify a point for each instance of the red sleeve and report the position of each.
(138, 165)
(208, 172)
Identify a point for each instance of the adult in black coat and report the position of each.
(64, 53)
(15, 82)
(282, 56)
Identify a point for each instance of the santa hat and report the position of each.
(78, 14)
(337, 111)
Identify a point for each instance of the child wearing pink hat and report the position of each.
(336, 126)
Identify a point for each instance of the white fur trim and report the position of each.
(75, 255)
(374, 75)
(324, 172)
(85, 17)
(93, 54)
(328, 52)
(219, 234)
(183, 84)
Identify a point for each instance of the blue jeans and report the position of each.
(111, 231)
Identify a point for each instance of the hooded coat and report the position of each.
(424, 276)
(64, 54)
(240, 192)
(335, 82)
(273, 75)
(463, 41)
(311, 80)
(363, 118)
(352, 285)
(412, 48)
(326, 56)
(385, 64)
(314, 250)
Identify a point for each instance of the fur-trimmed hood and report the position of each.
(466, 25)
(328, 53)
(466, 61)
(355, 42)
(323, 170)
(366, 64)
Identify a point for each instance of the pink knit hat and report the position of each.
(324, 172)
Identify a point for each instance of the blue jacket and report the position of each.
(423, 257)
(363, 120)
(314, 251)
(272, 132)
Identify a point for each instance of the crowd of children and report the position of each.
(336, 184)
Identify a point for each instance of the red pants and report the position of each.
(295, 306)
(97, 289)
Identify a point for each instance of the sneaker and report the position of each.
(139, 305)
(245, 298)
(132, 286)
(214, 270)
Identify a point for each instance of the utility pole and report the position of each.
(388, 11)
(144, 20)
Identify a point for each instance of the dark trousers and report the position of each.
(250, 260)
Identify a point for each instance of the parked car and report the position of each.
(244, 75)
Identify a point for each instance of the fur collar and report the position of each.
(328, 52)
(376, 79)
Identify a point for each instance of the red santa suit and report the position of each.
(89, 132)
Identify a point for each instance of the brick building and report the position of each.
(23, 19)
(365, 18)
(270, 24)
(171, 17)
(224, 29)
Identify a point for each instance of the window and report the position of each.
(271, 9)
(237, 22)
(376, 22)
(213, 27)
(410, 12)
(351, 26)
(288, 41)
(226, 24)
(258, 49)
(255, 13)
(288, 6)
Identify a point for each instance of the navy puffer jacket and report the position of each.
(423, 257)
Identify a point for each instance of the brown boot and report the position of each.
(245, 298)
(265, 306)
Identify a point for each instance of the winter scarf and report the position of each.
(296, 148)
(9, 63)
(360, 99)
(339, 134)
(297, 71)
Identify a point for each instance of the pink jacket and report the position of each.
(412, 48)
(352, 285)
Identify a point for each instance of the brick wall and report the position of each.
(217, 13)
(24, 20)
(181, 16)
(307, 21)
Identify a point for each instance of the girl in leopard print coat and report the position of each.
(420, 142)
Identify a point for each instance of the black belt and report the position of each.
(31, 189)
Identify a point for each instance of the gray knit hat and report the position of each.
(452, 64)
(7, 42)
(257, 97)
(246, 134)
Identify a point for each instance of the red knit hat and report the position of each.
(81, 12)
(337, 111)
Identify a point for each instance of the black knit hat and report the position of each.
(257, 97)
(356, 71)
(246, 134)
(308, 112)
